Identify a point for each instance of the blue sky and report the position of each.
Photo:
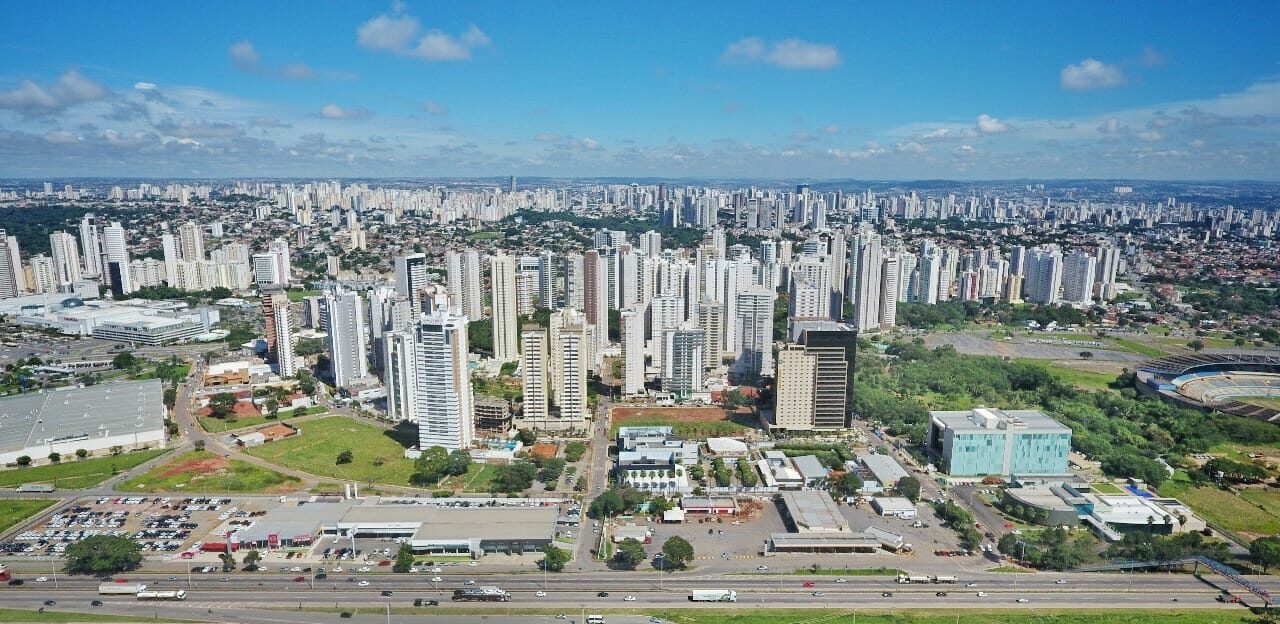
(747, 89)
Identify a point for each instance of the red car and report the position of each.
(122, 580)
(809, 584)
(299, 579)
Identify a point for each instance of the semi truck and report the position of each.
(713, 595)
(168, 594)
(121, 589)
(913, 579)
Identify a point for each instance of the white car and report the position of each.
(437, 570)
(541, 594)
(338, 569)
(472, 564)
(364, 569)
(1022, 600)
(469, 582)
(363, 583)
(413, 570)
(436, 579)
(982, 594)
(762, 568)
(841, 580)
(970, 584)
(42, 579)
(1060, 582)
(629, 598)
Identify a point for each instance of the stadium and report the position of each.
(1244, 384)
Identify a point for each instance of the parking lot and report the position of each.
(159, 524)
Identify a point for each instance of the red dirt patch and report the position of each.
(682, 414)
(545, 450)
(196, 466)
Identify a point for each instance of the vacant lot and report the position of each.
(202, 471)
(218, 425)
(692, 422)
(1071, 373)
(75, 474)
(1231, 512)
(377, 454)
(15, 510)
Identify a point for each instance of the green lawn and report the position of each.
(869, 616)
(485, 236)
(377, 456)
(30, 615)
(477, 480)
(76, 474)
(1106, 488)
(1225, 509)
(202, 471)
(218, 425)
(1268, 499)
(15, 510)
(1139, 347)
(1086, 380)
(297, 295)
(1273, 403)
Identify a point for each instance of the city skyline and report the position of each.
(1004, 91)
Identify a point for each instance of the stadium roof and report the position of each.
(1176, 365)
(99, 411)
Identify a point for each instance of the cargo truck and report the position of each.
(121, 589)
(168, 594)
(713, 595)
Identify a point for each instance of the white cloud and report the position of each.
(1112, 126)
(790, 53)
(333, 111)
(546, 137)
(70, 89)
(1151, 136)
(911, 148)
(1090, 75)
(434, 108)
(402, 35)
(990, 125)
(1151, 58)
(831, 129)
(247, 59)
(144, 86)
(387, 33)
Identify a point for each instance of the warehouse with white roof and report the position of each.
(129, 415)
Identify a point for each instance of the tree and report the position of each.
(1266, 551)
(1086, 355)
(273, 408)
(910, 488)
(345, 457)
(458, 463)
(554, 558)
(199, 445)
(81, 453)
(1196, 345)
(124, 360)
(660, 505)
(630, 553)
(527, 437)
(55, 457)
(222, 405)
(430, 466)
(251, 560)
(606, 505)
(228, 561)
(677, 551)
(512, 478)
(846, 484)
(404, 559)
(103, 554)
(24, 460)
(170, 397)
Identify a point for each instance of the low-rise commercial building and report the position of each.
(894, 506)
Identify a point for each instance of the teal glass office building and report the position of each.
(988, 441)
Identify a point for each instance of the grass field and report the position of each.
(1139, 347)
(378, 457)
(73, 474)
(1234, 513)
(868, 616)
(15, 510)
(202, 471)
(218, 425)
(1273, 403)
(689, 422)
(484, 236)
(1106, 488)
(30, 615)
(297, 295)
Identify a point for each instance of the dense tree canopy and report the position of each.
(103, 554)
